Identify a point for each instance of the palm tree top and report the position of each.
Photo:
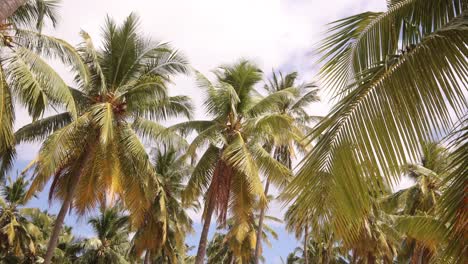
(14, 192)
(110, 223)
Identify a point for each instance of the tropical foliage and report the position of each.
(398, 82)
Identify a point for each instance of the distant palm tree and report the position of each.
(227, 248)
(321, 251)
(111, 242)
(18, 235)
(228, 171)
(284, 147)
(173, 223)
(301, 228)
(376, 241)
(420, 199)
(68, 246)
(93, 152)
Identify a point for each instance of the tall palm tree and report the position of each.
(400, 78)
(230, 248)
(228, 171)
(93, 152)
(173, 223)
(111, 242)
(283, 149)
(25, 77)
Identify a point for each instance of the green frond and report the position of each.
(201, 176)
(54, 48)
(151, 130)
(185, 128)
(276, 172)
(89, 53)
(238, 156)
(173, 106)
(211, 135)
(163, 60)
(60, 148)
(277, 128)
(360, 42)
(453, 200)
(425, 229)
(311, 96)
(40, 129)
(137, 175)
(103, 116)
(33, 14)
(150, 86)
(272, 102)
(36, 83)
(393, 109)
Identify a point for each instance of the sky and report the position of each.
(276, 34)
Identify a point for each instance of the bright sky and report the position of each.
(278, 34)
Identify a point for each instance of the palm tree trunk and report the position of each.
(204, 235)
(370, 258)
(147, 257)
(8, 7)
(306, 239)
(354, 258)
(258, 245)
(60, 218)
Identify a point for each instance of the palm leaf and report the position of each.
(390, 110)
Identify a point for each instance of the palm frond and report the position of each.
(201, 175)
(7, 117)
(54, 48)
(42, 128)
(33, 14)
(393, 109)
(36, 83)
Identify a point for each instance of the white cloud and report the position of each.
(274, 33)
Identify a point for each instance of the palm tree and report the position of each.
(218, 251)
(68, 246)
(111, 242)
(228, 171)
(283, 149)
(173, 223)
(229, 247)
(399, 76)
(24, 74)
(319, 251)
(420, 199)
(17, 233)
(300, 226)
(93, 152)
(376, 240)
